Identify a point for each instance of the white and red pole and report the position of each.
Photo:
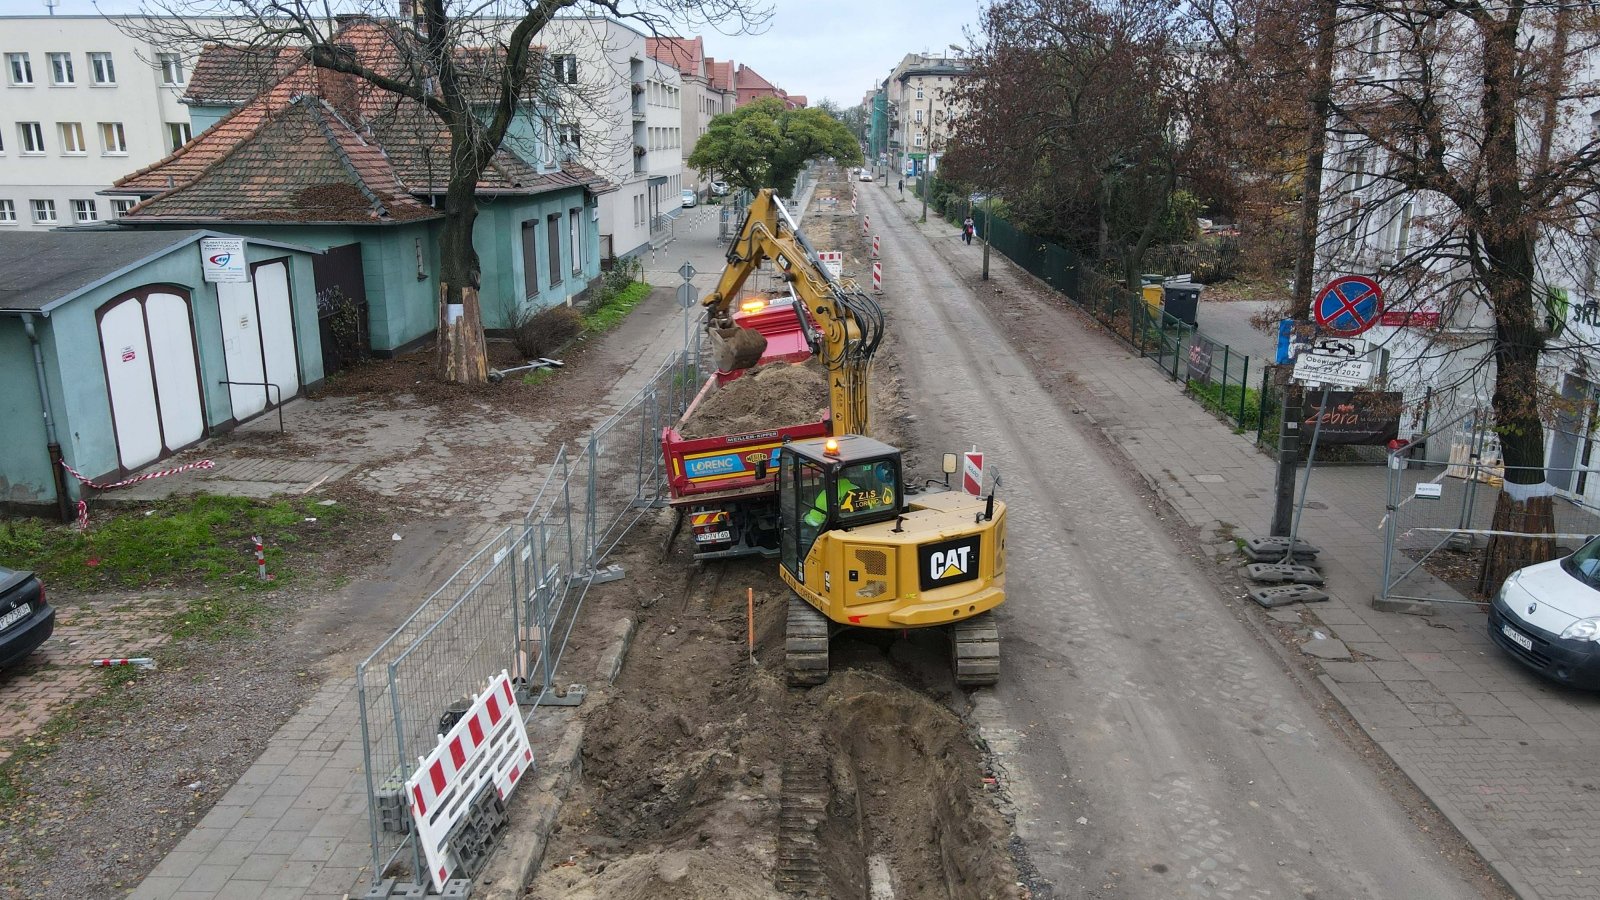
(143, 662)
(261, 560)
(866, 224)
(875, 247)
(877, 277)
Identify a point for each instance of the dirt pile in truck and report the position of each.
(772, 396)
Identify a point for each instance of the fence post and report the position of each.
(1223, 397)
(515, 551)
(1244, 391)
(1261, 409)
(590, 519)
(417, 865)
(366, 753)
(1177, 351)
(541, 608)
(1391, 512)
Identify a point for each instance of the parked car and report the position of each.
(1547, 617)
(690, 198)
(866, 175)
(719, 188)
(26, 620)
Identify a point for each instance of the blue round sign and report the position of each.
(1348, 305)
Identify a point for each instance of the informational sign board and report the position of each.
(222, 260)
(1201, 352)
(1310, 368)
(1348, 305)
(1355, 418)
(1345, 347)
(972, 472)
(833, 261)
(1428, 491)
(1417, 318)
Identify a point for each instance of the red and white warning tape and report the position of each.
(143, 662)
(83, 507)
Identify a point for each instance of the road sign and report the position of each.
(1314, 368)
(1348, 305)
(972, 472)
(686, 295)
(686, 271)
(1342, 347)
(833, 261)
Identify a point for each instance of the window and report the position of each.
(8, 212)
(576, 241)
(865, 489)
(553, 237)
(918, 117)
(101, 68)
(530, 258)
(112, 139)
(177, 134)
(1403, 236)
(72, 138)
(44, 211)
(919, 93)
(32, 137)
(566, 68)
(918, 139)
(171, 68)
(568, 136)
(61, 68)
(121, 205)
(84, 211)
(20, 66)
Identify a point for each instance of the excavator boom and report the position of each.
(850, 322)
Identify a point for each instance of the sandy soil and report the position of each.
(761, 399)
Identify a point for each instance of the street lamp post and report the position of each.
(927, 157)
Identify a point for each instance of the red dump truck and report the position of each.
(732, 510)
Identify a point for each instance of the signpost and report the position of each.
(686, 297)
(222, 260)
(833, 261)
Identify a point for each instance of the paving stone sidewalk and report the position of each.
(1507, 757)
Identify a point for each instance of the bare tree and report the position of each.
(1462, 171)
(471, 66)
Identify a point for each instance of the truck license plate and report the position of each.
(1517, 637)
(713, 537)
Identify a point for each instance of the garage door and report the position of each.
(147, 343)
(258, 339)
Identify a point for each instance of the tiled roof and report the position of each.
(720, 74)
(750, 80)
(687, 55)
(304, 164)
(798, 101)
(412, 142)
(234, 75)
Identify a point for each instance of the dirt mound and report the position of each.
(681, 875)
(762, 399)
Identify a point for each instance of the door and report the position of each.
(802, 511)
(341, 306)
(258, 341)
(147, 347)
(1569, 434)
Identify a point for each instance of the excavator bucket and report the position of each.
(733, 347)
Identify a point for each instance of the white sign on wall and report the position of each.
(1313, 368)
(833, 260)
(222, 260)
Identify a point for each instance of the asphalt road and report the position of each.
(1152, 745)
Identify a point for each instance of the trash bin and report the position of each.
(1182, 301)
(1152, 298)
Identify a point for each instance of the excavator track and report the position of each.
(975, 651)
(805, 643)
(802, 809)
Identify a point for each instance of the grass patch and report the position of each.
(614, 307)
(221, 618)
(1226, 399)
(538, 376)
(183, 540)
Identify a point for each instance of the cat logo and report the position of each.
(949, 562)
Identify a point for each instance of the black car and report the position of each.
(26, 620)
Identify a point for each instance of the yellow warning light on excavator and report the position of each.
(831, 447)
(751, 306)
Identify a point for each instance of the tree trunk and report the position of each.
(1508, 230)
(463, 354)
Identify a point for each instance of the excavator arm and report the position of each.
(849, 321)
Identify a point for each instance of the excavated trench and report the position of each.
(705, 775)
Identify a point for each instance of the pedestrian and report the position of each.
(967, 229)
(901, 185)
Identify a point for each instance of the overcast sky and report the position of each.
(820, 48)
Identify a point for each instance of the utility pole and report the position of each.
(927, 157)
(1300, 303)
(988, 217)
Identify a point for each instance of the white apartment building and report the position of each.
(624, 120)
(922, 108)
(81, 105)
(707, 93)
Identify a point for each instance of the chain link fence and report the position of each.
(512, 606)
(1440, 512)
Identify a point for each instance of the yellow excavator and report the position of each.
(860, 547)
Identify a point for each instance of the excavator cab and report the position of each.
(836, 483)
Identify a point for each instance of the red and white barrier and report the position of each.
(83, 507)
(875, 247)
(261, 559)
(972, 472)
(866, 224)
(488, 745)
(877, 277)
